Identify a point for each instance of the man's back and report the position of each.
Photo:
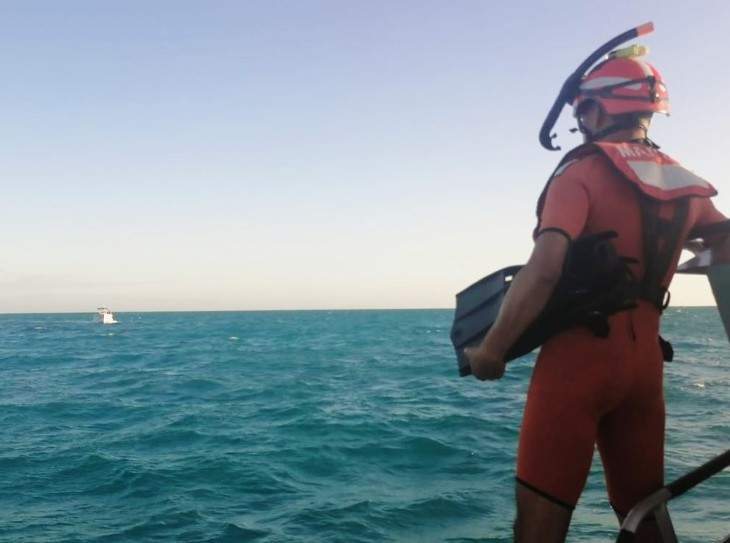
(591, 196)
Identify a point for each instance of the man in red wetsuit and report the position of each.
(587, 390)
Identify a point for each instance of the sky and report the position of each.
(221, 155)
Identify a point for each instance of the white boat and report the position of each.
(106, 316)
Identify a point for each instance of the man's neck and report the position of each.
(628, 134)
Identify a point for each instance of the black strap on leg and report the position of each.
(545, 495)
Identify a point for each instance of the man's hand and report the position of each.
(485, 364)
(530, 291)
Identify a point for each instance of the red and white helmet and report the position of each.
(624, 85)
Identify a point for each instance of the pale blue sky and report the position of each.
(306, 154)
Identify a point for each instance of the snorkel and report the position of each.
(571, 86)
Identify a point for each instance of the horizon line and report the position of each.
(264, 310)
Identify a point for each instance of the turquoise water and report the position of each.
(300, 426)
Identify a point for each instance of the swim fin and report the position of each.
(596, 282)
(477, 307)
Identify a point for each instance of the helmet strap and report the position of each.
(616, 127)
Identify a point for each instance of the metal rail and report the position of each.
(656, 503)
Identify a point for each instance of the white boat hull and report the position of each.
(106, 316)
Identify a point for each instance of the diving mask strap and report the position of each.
(595, 136)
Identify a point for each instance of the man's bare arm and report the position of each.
(526, 298)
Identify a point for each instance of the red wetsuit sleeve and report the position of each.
(566, 205)
(708, 214)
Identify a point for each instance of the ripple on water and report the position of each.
(313, 426)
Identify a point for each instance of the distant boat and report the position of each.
(106, 316)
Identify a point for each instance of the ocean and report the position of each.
(301, 426)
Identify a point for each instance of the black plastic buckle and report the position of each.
(666, 298)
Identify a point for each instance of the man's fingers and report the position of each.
(493, 372)
(484, 368)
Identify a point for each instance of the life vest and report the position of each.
(657, 178)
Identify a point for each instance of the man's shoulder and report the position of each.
(582, 166)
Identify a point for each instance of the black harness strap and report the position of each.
(661, 238)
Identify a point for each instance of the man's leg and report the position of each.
(539, 519)
(631, 442)
(557, 436)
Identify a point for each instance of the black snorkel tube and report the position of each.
(570, 88)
